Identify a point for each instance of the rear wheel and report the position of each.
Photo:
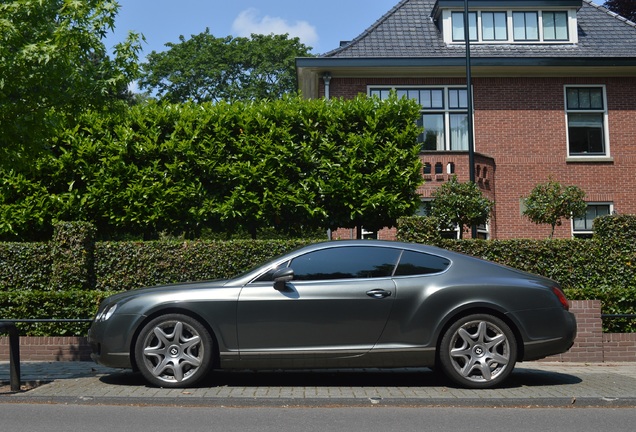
(478, 351)
(173, 351)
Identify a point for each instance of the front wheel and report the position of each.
(173, 351)
(478, 351)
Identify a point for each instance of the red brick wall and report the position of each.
(591, 345)
(48, 348)
(588, 346)
(520, 123)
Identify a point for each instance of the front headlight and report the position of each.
(106, 313)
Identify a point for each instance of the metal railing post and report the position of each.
(14, 354)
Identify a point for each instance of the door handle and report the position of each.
(378, 293)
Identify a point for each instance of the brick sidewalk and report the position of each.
(533, 383)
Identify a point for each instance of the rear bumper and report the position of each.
(538, 349)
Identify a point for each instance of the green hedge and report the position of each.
(50, 304)
(127, 265)
(25, 266)
(602, 268)
(180, 169)
(59, 280)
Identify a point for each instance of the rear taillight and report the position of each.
(562, 299)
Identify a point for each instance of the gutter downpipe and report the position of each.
(326, 77)
(469, 95)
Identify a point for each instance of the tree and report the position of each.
(53, 65)
(206, 68)
(625, 8)
(460, 204)
(550, 202)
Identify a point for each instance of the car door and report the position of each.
(337, 305)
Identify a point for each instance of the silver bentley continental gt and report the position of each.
(344, 304)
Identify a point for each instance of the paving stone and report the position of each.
(534, 381)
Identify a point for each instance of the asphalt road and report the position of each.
(97, 418)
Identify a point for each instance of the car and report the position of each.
(340, 304)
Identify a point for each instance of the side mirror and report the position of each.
(281, 277)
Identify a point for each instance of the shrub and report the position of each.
(25, 266)
(73, 256)
(419, 229)
(50, 305)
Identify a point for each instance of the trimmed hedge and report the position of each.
(50, 304)
(59, 280)
(123, 266)
(602, 268)
(73, 256)
(25, 266)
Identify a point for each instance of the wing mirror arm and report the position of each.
(281, 277)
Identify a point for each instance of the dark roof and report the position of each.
(408, 31)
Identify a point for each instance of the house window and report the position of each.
(425, 208)
(555, 26)
(458, 26)
(525, 26)
(586, 118)
(444, 115)
(583, 227)
(494, 26)
(511, 26)
(483, 231)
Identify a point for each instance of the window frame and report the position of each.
(445, 110)
(450, 22)
(588, 233)
(603, 112)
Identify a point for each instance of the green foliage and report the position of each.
(292, 164)
(25, 266)
(53, 65)
(25, 207)
(209, 69)
(460, 204)
(73, 256)
(603, 268)
(51, 304)
(419, 229)
(587, 269)
(615, 227)
(128, 265)
(550, 202)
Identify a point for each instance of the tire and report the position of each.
(173, 351)
(478, 351)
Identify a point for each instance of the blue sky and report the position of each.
(320, 24)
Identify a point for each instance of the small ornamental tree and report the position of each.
(460, 204)
(550, 202)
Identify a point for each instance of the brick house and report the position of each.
(554, 96)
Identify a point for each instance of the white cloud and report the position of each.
(249, 21)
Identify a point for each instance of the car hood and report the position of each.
(165, 289)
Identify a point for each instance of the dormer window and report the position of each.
(510, 26)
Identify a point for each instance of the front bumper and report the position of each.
(111, 341)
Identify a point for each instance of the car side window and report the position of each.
(418, 263)
(354, 262)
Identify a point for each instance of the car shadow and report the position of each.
(407, 378)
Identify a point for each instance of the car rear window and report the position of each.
(418, 263)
